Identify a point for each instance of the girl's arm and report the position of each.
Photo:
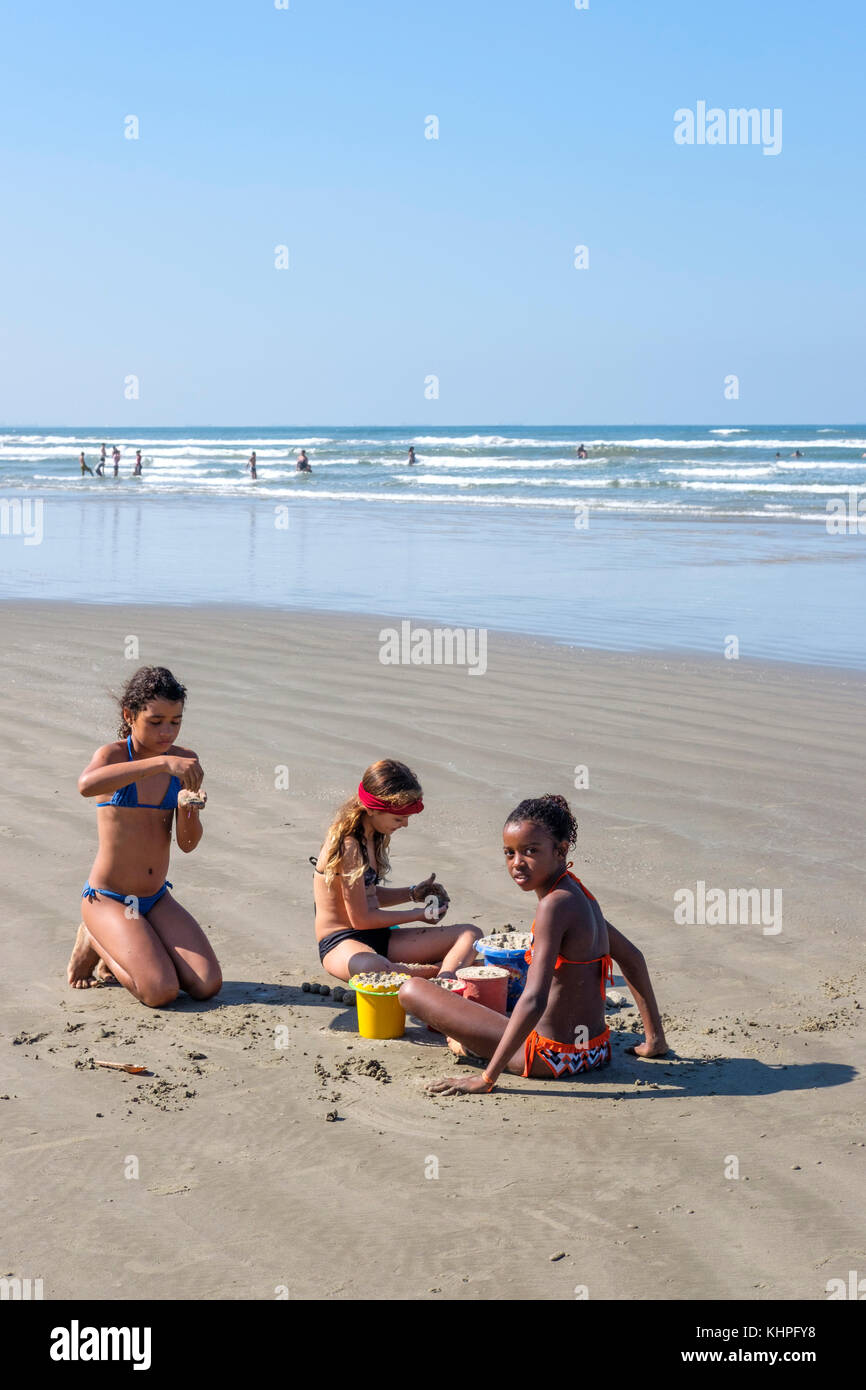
(361, 912)
(188, 828)
(550, 926)
(108, 772)
(633, 966)
(388, 897)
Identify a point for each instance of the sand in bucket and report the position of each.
(485, 984)
(380, 1013)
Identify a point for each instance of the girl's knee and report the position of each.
(157, 993)
(408, 993)
(207, 987)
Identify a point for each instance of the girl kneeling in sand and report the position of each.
(558, 1025)
(356, 926)
(143, 936)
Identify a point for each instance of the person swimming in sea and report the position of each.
(360, 923)
(133, 929)
(411, 455)
(302, 464)
(115, 454)
(558, 1025)
(581, 452)
(251, 465)
(136, 472)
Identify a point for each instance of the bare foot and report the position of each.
(460, 1051)
(653, 1047)
(103, 974)
(79, 971)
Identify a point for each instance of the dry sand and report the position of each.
(733, 773)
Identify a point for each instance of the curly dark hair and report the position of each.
(149, 683)
(551, 811)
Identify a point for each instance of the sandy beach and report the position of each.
(701, 770)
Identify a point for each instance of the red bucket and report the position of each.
(485, 984)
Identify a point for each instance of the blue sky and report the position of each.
(411, 257)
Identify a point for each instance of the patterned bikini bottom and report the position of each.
(564, 1059)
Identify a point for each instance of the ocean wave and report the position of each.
(720, 472)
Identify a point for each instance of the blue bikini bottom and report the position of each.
(143, 905)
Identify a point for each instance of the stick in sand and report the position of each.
(121, 1066)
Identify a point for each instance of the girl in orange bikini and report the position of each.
(558, 1025)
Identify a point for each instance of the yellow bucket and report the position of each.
(380, 1015)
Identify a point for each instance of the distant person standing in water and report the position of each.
(581, 452)
(251, 465)
(136, 472)
(85, 467)
(115, 454)
(303, 463)
(411, 455)
(102, 458)
(100, 467)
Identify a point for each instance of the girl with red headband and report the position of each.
(360, 924)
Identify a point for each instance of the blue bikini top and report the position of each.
(128, 795)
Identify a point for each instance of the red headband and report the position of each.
(373, 803)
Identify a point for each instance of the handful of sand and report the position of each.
(186, 798)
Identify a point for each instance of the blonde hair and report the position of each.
(389, 781)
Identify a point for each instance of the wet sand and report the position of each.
(729, 773)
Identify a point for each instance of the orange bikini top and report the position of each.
(606, 961)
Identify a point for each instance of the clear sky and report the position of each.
(412, 257)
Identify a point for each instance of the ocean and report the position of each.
(689, 471)
(687, 539)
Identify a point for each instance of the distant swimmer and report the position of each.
(778, 455)
(411, 454)
(102, 457)
(136, 472)
(115, 454)
(303, 463)
(796, 454)
(581, 453)
(251, 465)
(85, 467)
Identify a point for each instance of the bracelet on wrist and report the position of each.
(412, 892)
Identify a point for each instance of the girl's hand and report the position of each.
(434, 909)
(428, 886)
(456, 1086)
(188, 770)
